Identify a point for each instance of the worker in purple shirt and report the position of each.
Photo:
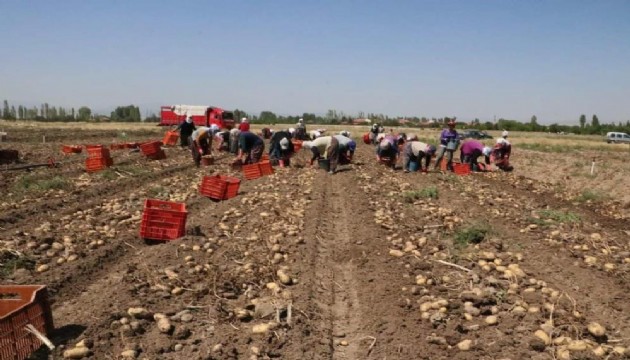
(387, 148)
(471, 150)
(449, 140)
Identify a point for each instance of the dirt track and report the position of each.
(370, 267)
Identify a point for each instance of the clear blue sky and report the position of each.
(470, 59)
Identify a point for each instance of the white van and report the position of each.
(617, 137)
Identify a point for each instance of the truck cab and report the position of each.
(201, 115)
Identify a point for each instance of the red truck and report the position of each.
(201, 115)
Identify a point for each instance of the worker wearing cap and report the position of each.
(251, 146)
(449, 140)
(201, 142)
(387, 149)
(416, 151)
(501, 152)
(244, 125)
(281, 147)
(471, 150)
(186, 129)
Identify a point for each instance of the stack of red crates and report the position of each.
(98, 158)
(21, 305)
(153, 150)
(219, 187)
(163, 220)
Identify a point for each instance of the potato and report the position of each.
(596, 329)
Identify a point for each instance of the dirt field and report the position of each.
(368, 263)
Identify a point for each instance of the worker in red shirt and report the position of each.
(244, 125)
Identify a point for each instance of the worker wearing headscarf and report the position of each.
(234, 133)
(201, 142)
(449, 140)
(244, 125)
(346, 149)
(281, 147)
(185, 128)
(416, 151)
(387, 150)
(501, 153)
(324, 147)
(471, 150)
(300, 130)
(251, 146)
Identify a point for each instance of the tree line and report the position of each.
(45, 112)
(131, 113)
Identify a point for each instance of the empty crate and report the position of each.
(163, 220)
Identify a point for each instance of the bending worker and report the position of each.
(324, 147)
(281, 147)
(251, 146)
(416, 151)
(471, 150)
(346, 148)
(387, 148)
(201, 142)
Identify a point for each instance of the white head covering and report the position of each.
(189, 119)
(301, 120)
(307, 144)
(412, 137)
(244, 120)
(291, 130)
(345, 133)
(214, 128)
(504, 133)
(487, 150)
(384, 144)
(284, 143)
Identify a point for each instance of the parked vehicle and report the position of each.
(201, 115)
(617, 137)
(474, 134)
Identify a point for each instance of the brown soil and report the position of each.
(370, 260)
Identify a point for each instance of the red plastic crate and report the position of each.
(251, 171)
(265, 168)
(163, 220)
(98, 163)
(151, 148)
(170, 138)
(21, 305)
(71, 149)
(120, 146)
(97, 152)
(219, 187)
(461, 169)
(160, 155)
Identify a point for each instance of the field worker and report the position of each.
(387, 148)
(501, 153)
(281, 147)
(292, 132)
(314, 134)
(324, 147)
(374, 130)
(347, 146)
(471, 150)
(449, 140)
(345, 133)
(251, 146)
(416, 151)
(186, 129)
(244, 125)
(300, 130)
(223, 140)
(201, 142)
(234, 133)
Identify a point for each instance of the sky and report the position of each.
(472, 59)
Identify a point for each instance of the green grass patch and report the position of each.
(430, 192)
(559, 216)
(473, 234)
(588, 195)
(11, 261)
(32, 183)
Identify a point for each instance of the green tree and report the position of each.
(267, 117)
(6, 111)
(84, 113)
(582, 121)
(595, 122)
(21, 112)
(13, 113)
